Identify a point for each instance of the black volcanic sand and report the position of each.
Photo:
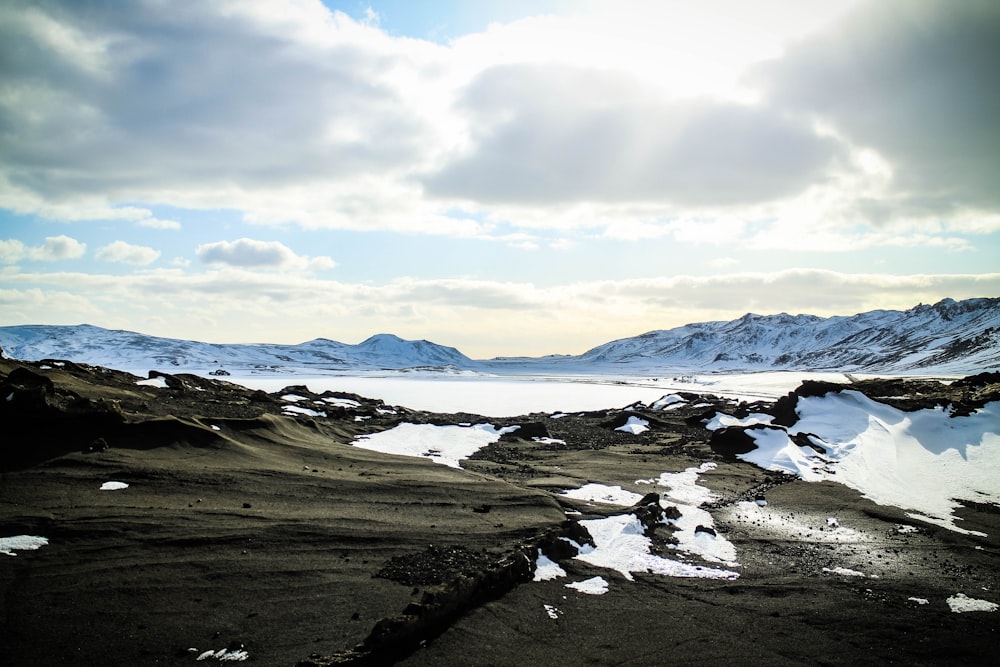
(245, 527)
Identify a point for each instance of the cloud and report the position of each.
(249, 253)
(625, 122)
(55, 248)
(158, 223)
(914, 81)
(556, 134)
(182, 102)
(126, 253)
(12, 251)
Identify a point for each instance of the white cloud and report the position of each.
(12, 251)
(912, 80)
(158, 223)
(250, 253)
(55, 248)
(609, 119)
(127, 253)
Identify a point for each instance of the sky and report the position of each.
(508, 178)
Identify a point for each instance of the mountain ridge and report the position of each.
(952, 337)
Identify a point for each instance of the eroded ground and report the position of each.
(246, 527)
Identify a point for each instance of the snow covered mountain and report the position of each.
(949, 337)
(130, 351)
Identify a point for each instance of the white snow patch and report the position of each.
(843, 571)
(552, 611)
(634, 425)
(446, 445)
(342, 402)
(961, 603)
(293, 398)
(919, 600)
(546, 569)
(224, 655)
(602, 493)
(721, 420)
(682, 488)
(668, 402)
(159, 382)
(548, 441)
(924, 461)
(592, 586)
(113, 486)
(622, 546)
(8, 545)
(292, 410)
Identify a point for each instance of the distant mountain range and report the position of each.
(949, 337)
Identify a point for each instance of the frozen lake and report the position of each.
(507, 396)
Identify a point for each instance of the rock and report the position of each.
(173, 382)
(731, 441)
(649, 513)
(527, 431)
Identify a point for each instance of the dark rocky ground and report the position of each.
(242, 526)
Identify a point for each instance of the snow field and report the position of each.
(923, 461)
(446, 445)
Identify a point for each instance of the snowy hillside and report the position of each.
(948, 337)
(138, 352)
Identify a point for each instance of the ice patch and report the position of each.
(446, 445)
(961, 603)
(592, 586)
(8, 545)
(113, 486)
(634, 425)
